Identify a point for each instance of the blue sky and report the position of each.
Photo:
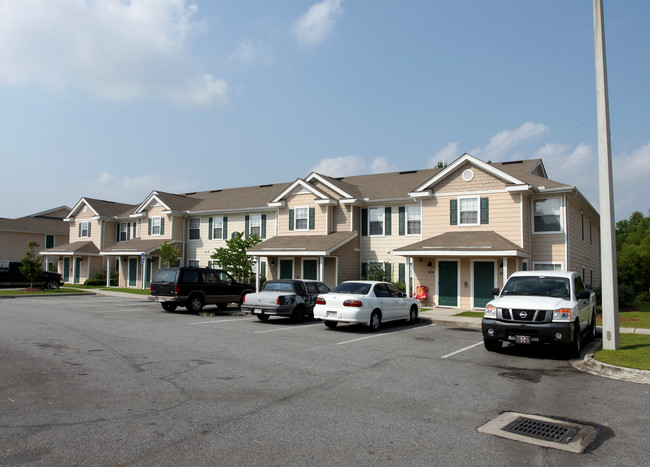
(113, 99)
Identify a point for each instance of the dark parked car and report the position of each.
(194, 288)
(10, 276)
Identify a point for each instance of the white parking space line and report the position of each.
(221, 321)
(462, 350)
(288, 328)
(384, 334)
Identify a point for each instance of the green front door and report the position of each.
(66, 269)
(310, 269)
(77, 269)
(133, 272)
(448, 283)
(147, 273)
(286, 269)
(483, 283)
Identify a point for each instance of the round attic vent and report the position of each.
(468, 175)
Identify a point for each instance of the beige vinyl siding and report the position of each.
(482, 181)
(548, 248)
(325, 189)
(526, 223)
(341, 218)
(303, 200)
(581, 253)
(349, 265)
(176, 229)
(110, 233)
(95, 229)
(504, 216)
(13, 245)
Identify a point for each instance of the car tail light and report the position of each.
(150, 288)
(177, 289)
(320, 301)
(243, 300)
(355, 303)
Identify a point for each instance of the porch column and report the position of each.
(321, 267)
(108, 271)
(408, 277)
(505, 269)
(257, 273)
(143, 266)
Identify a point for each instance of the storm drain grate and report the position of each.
(538, 429)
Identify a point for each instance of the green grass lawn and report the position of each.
(634, 319)
(470, 314)
(633, 353)
(41, 292)
(125, 290)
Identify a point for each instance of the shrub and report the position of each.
(625, 294)
(643, 297)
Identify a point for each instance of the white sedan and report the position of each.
(366, 302)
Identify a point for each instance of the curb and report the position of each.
(595, 367)
(49, 295)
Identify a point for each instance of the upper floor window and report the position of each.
(124, 232)
(547, 266)
(49, 241)
(156, 226)
(217, 227)
(255, 226)
(193, 263)
(301, 218)
(84, 229)
(547, 214)
(468, 210)
(413, 220)
(376, 221)
(195, 228)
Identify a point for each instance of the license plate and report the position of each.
(257, 310)
(331, 314)
(522, 339)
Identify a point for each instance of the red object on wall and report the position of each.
(422, 292)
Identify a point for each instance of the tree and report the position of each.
(233, 257)
(378, 271)
(32, 263)
(633, 256)
(169, 254)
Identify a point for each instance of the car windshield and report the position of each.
(540, 286)
(278, 287)
(165, 275)
(357, 288)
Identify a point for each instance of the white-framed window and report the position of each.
(547, 215)
(155, 225)
(413, 219)
(376, 221)
(301, 218)
(193, 263)
(217, 227)
(524, 265)
(84, 229)
(124, 231)
(547, 266)
(195, 228)
(468, 210)
(255, 226)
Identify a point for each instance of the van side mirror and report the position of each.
(495, 291)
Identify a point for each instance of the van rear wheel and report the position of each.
(195, 304)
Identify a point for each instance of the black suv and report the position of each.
(194, 288)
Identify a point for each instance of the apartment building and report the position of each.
(451, 233)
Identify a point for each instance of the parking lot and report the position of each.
(108, 381)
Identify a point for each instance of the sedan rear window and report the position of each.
(278, 286)
(358, 288)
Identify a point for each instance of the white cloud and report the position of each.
(114, 49)
(634, 166)
(104, 178)
(505, 141)
(315, 26)
(352, 165)
(249, 53)
(448, 154)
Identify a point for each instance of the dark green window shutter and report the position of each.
(364, 222)
(210, 229)
(263, 228)
(291, 214)
(79, 229)
(402, 273)
(402, 220)
(162, 226)
(149, 229)
(89, 229)
(312, 218)
(364, 270)
(134, 230)
(485, 218)
(117, 234)
(247, 222)
(387, 221)
(128, 233)
(263, 269)
(225, 227)
(388, 268)
(453, 212)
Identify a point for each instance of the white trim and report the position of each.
(318, 177)
(495, 274)
(472, 160)
(478, 212)
(295, 218)
(382, 209)
(455, 253)
(76, 206)
(437, 282)
(299, 183)
(153, 196)
(562, 216)
(189, 229)
(554, 263)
